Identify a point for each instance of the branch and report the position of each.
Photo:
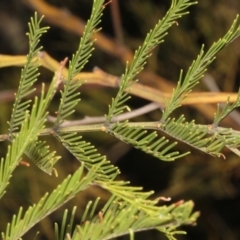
(155, 125)
(88, 120)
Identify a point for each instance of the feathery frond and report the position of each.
(30, 129)
(28, 76)
(221, 114)
(39, 153)
(70, 97)
(230, 138)
(147, 142)
(195, 135)
(50, 202)
(153, 38)
(85, 152)
(197, 70)
(115, 212)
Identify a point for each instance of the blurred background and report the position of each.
(213, 184)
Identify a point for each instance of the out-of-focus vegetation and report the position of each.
(213, 184)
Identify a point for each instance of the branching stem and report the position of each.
(125, 116)
(155, 125)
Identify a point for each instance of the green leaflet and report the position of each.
(114, 214)
(220, 115)
(147, 142)
(48, 203)
(86, 153)
(30, 130)
(153, 39)
(66, 228)
(197, 70)
(39, 153)
(28, 76)
(194, 135)
(70, 96)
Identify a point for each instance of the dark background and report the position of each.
(213, 184)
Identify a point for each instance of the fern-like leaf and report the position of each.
(197, 136)
(115, 212)
(29, 132)
(70, 97)
(197, 70)
(68, 189)
(147, 142)
(220, 115)
(153, 38)
(30, 129)
(39, 153)
(85, 152)
(28, 76)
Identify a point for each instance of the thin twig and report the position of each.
(88, 120)
(100, 127)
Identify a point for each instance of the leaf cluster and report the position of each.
(129, 209)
